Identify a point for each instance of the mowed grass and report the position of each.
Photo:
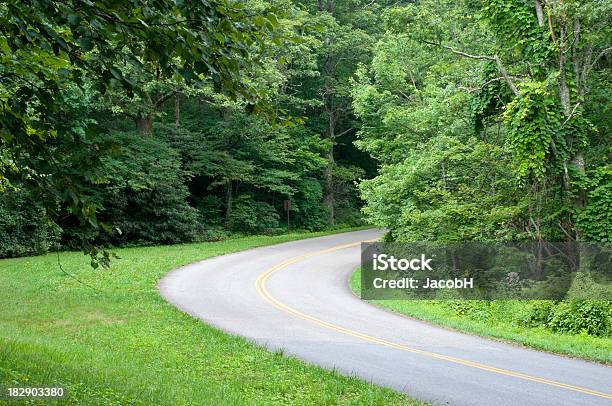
(497, 322)
(124, 344)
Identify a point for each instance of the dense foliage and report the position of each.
(133, 123)
(490, 122)
(137, 122)
(141, 123)
(573, 317)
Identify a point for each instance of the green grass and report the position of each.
(495, 320)
(126, 345)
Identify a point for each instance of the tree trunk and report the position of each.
(144, 124)
(329, 185)
(579, 162)
(576, 59)
(330, 134)
(578, 200)
(539, 13)
(328, 104)
(564, 92)
(229, 200)
(177, 110)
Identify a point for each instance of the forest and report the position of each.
(110, 141)
(449, 121)
(148, 135)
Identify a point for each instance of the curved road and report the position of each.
(295, 296)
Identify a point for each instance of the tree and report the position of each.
(348, 32)
(522, 73)
(439, 179)
(49, 46)
(547, 128)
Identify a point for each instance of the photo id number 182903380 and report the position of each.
(32, 392)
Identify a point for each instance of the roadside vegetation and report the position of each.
(576, 328)
(148, 123)
(111, 339)
(178, 132)
(490, 122)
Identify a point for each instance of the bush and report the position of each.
(251, 216)
(308, 211)
(24, 228)
(593, 317)
(146, 198)
(474, 309)
(152, 216)
(211, 234)
(537, 313)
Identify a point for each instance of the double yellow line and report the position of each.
(260, 285)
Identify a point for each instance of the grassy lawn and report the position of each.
(125, 345)
(494, 321)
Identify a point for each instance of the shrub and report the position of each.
(146, 198)
(251, 216)
(474, 309)
(152, 216)
(308, 211)
(24, 228)
(213, 234)
(593, 317)
(537, 313)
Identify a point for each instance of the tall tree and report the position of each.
(533, 67)
(348, 32)
(47, 46)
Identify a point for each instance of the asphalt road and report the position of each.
(295, 297)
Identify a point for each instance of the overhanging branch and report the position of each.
(494, 58)
(165, 97)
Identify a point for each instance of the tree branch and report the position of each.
(461, 53)
(488, 82)
(571, 114)
(550, 23)
(494, 58)
(599, 56)
(165, 97)
(506, 76)
(344, 132)
(588, 66)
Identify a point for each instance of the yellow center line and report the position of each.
(260, 285)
